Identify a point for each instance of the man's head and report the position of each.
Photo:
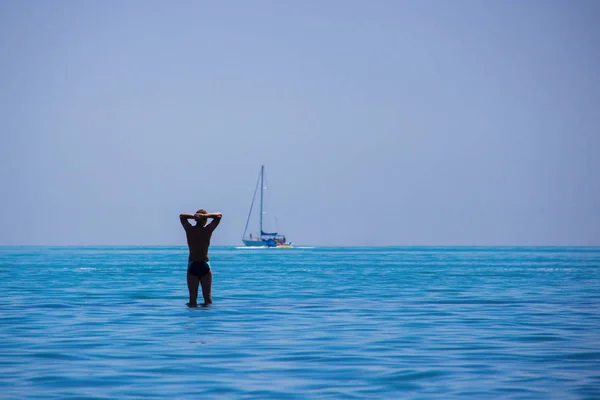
(200, 220)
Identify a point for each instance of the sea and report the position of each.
(302, 323)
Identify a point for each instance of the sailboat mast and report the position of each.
(262, 186)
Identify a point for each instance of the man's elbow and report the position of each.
(218, 215)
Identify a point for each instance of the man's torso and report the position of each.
(198, 239)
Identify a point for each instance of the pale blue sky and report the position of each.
(379, 122)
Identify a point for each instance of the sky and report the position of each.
(471, 122)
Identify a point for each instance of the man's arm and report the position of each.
(183, 218)
(216, 218)
(211, 215)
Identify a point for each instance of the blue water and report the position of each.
(303, 323)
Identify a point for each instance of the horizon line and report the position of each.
(305, 245)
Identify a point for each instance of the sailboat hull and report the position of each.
(254, 243)
(261, 243)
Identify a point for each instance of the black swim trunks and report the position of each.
(199, 268)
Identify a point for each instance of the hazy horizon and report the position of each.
(472, 123)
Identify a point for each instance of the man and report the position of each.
(198, 240)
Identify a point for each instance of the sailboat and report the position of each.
(264, 239)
